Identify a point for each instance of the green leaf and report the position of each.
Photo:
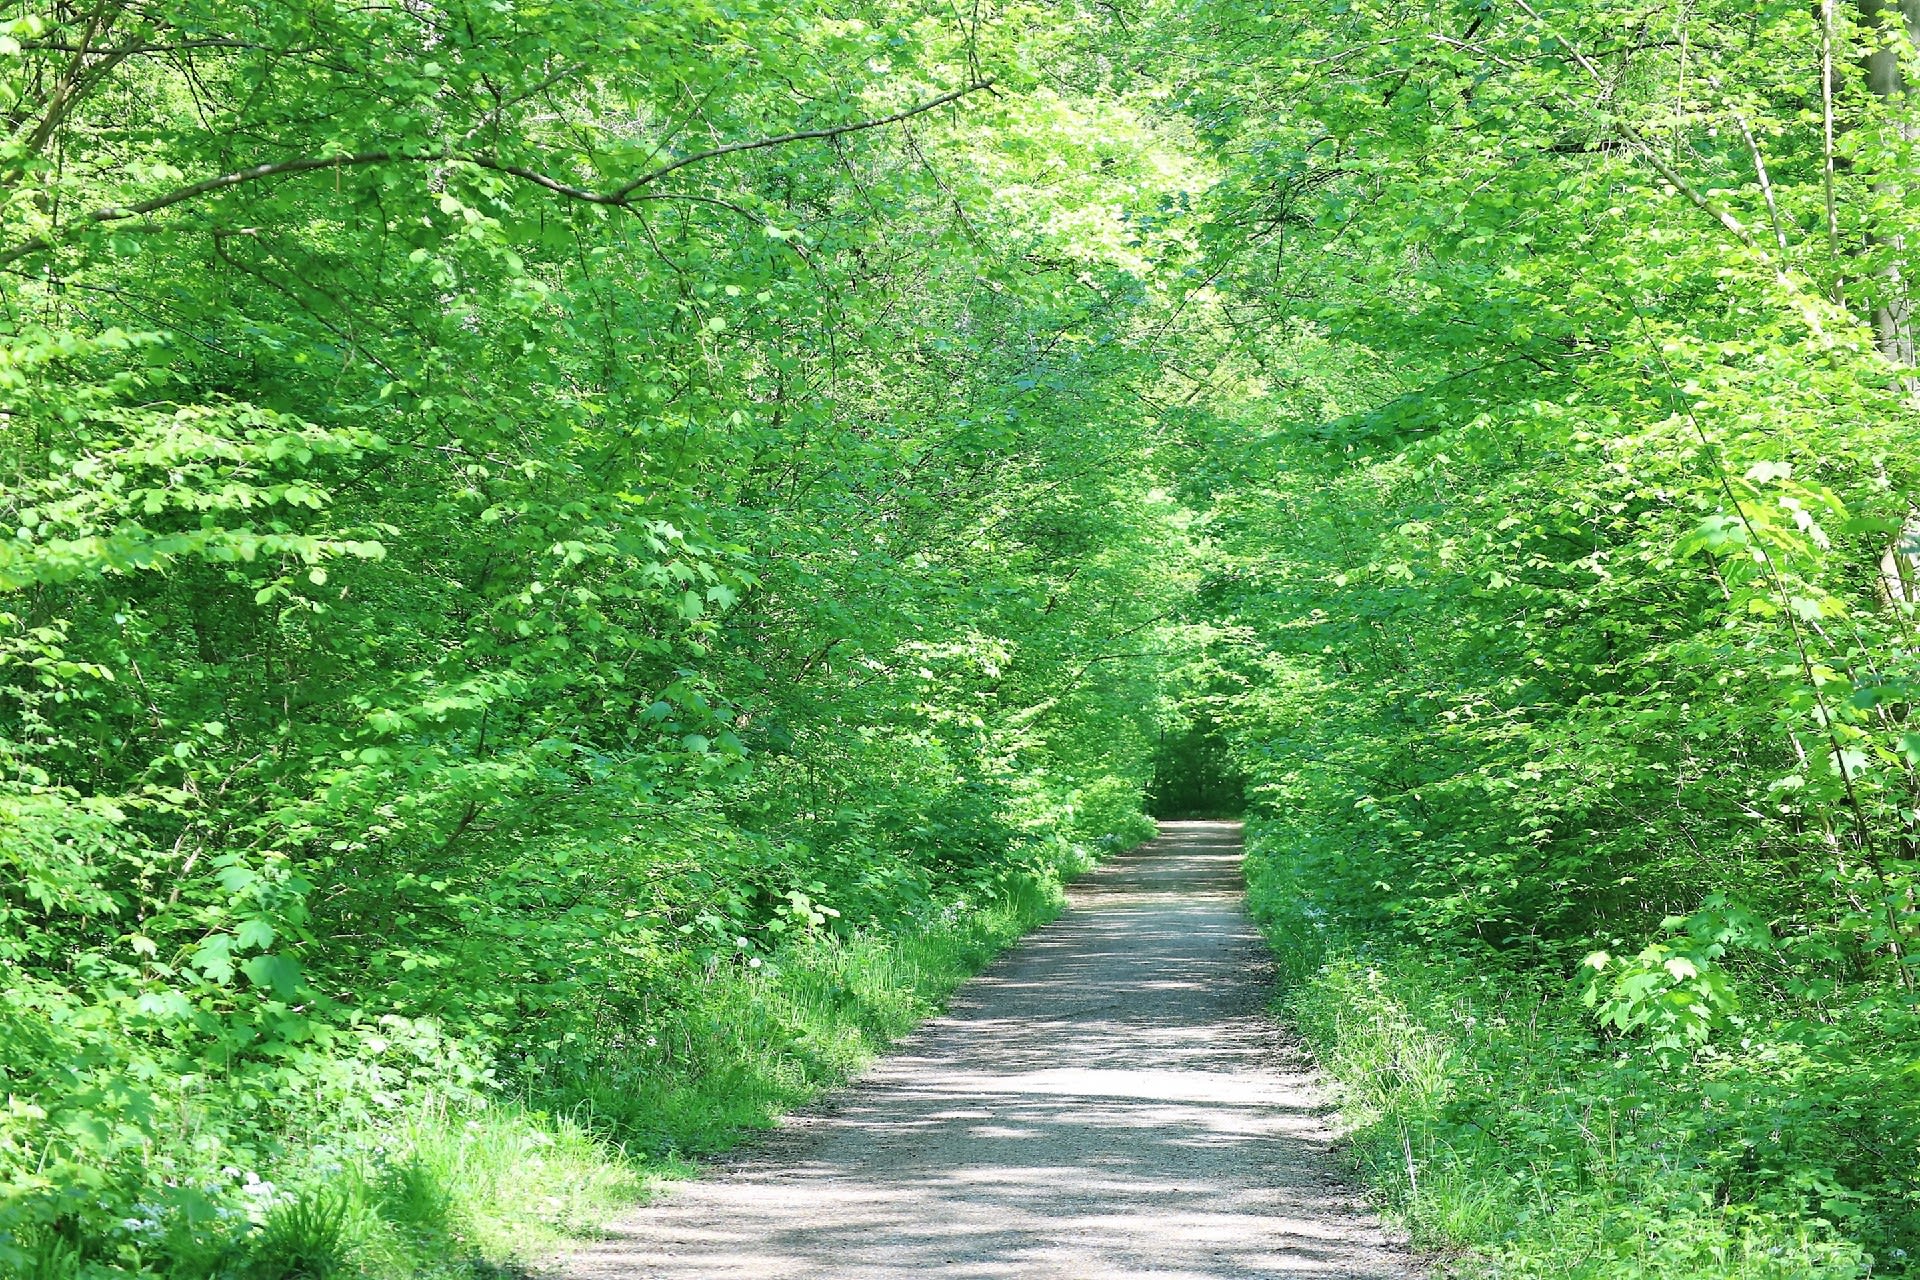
(278, 973)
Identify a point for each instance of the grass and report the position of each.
(432, 1193)
(437, 1191)
(1510, 1141)
(750, 1044)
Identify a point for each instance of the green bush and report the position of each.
(1495, 1115)
(400, 1156)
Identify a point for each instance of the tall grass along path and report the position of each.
(1108, 1100)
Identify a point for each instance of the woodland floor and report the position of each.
(1109, 1100)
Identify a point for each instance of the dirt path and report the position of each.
(1106, 1101)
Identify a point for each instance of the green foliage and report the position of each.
(421, 1185)
(1489, 1115)
(304, 1238)
(750, 1042)
(1558, 482)
(508, 563)
(1194, 775)
(567, 568)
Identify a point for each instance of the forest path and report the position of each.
(1107, 1101)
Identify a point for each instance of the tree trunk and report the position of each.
(1893, 311)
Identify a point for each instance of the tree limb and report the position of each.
(620, 197)
(806, 135)
(1694, 196)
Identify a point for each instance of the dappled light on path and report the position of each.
(1108, 1101)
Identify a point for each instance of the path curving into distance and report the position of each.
(1107, 1101)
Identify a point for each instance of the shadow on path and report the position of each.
(1107, 1101)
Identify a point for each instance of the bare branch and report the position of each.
(807, 135)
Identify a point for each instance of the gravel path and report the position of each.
(1107, 1101)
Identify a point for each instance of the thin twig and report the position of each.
(1826, 147)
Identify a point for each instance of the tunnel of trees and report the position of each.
(1195, 775)
(568, 568)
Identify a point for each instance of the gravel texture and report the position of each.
(1107, 1101)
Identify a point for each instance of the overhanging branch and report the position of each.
(623, 196)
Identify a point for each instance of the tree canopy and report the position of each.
(520, 517)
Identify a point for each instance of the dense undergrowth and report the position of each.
(433, 1176)
(1514, 1140)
